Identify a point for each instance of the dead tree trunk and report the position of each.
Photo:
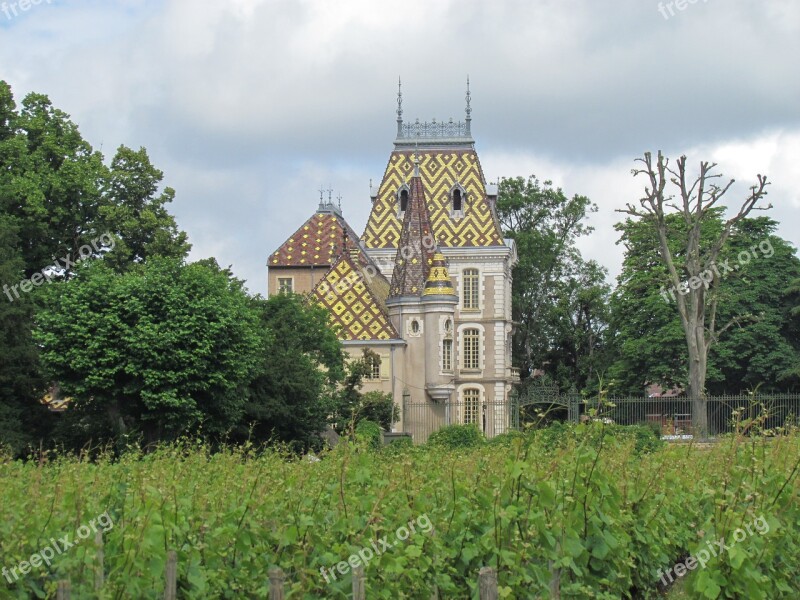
(695, 280)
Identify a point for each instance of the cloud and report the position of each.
(248, 106)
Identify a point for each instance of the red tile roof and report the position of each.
(319, 242)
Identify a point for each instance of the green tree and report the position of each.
(351, 405)
(300, 364)
(21, 415)
(134, 212)
(698, 197)
(161, 349)
(557, 297)
(648, 339)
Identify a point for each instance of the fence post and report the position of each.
(62, 593)
(276, 581)
(487, 583)
(99, 567)
(359, 583)
(171, 588)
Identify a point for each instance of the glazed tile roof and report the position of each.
(317, 243)
(355, 298)
(441, 170)
(415, 252)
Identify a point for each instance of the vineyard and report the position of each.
(581, 512)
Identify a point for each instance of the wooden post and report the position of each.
(63, 590)
(276, 581)
(359, 583)
(487, 583)
(171, 588)
(99, 567)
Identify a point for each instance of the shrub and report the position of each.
(457, 436)
(371, 433)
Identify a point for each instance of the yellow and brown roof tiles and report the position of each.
(355, 299)
(317, 243)
(441, 170)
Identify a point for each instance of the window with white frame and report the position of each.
(447, 355)
(472, 405)
(471, 349)
(285, 285)
(471, 288)
(374, 368)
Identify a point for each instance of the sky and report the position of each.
(249, 107)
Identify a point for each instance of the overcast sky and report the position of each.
(249, 106)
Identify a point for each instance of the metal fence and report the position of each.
(535, 407)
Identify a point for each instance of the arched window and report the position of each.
(472, 405)
(415, 327)
(403, 200)
(471, 349)
(471, 288)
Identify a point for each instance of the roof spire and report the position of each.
(321, 201)
(469, 108)
(399, 107)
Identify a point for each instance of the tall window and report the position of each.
(285, 285)
(375, 368)
(471, 288)
(403, 200)
(456, 200)
(472, 405)
(471, 350)
(447, 355)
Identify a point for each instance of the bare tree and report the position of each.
(697, 300)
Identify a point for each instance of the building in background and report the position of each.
(427, 286)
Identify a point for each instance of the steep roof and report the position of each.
(318, 242)
(355, 297)
(415, 251)
(442, 168)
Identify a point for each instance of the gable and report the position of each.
(355, 300)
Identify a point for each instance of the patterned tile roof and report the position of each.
(415, 251)
(317, 243)
(441, 170)
(439, 282)
(355, 297)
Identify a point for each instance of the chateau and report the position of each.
(427, 286)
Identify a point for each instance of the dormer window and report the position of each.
(457, 198)
(402, 201)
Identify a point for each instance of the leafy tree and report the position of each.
(300, 363)
(351, 405)
(697, 199)
(558, 298)
(135, 213)
(161, 349)
(21, 415)
(648, 339)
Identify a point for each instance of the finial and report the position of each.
(339, 198)
(321, 200)
(469, 108)
(399, 107)
(330, 193)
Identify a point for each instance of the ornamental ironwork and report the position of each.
(434, 129)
